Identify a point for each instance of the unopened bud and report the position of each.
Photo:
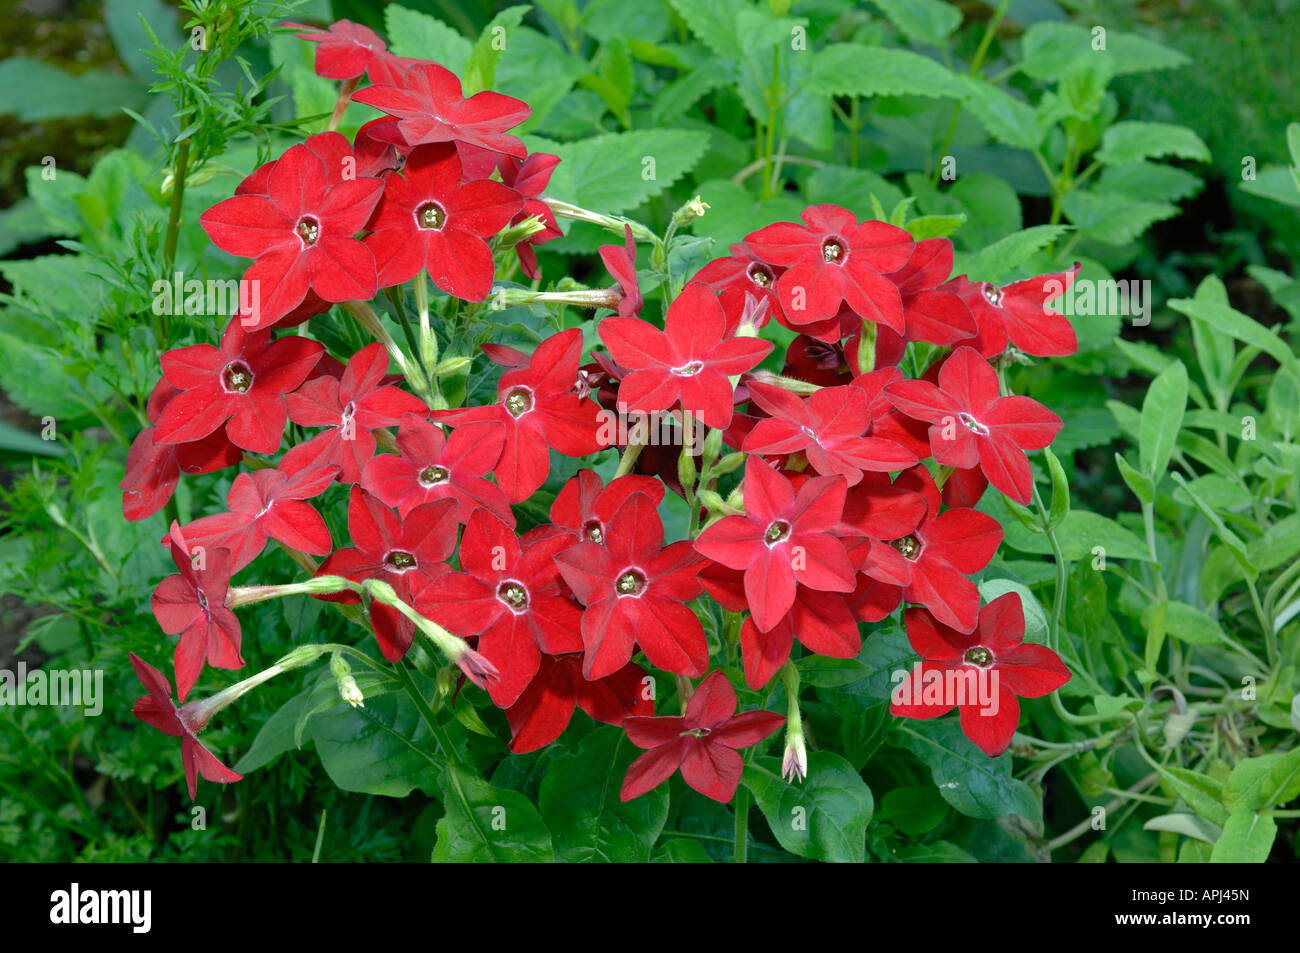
(794, 766)
(692, 210)
(349, 690)
(686, 469)
(712, 446)
(451, 367)
(525, 230)
(732, 461)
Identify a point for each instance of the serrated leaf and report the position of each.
(421, 36)
(1005, 118)
(619, 171)
(1133, 141)
(1003, 256)
(1113, 219)
(924, 21)
(851, 69)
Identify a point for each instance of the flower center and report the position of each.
(513, 595)
(979, 655)
(431, 215)
(434, 475)
(695, 732)
(399, 560)
(203, 601)
(237, 378)
(908, 546)
(308, 230)
(690, 369)
(630, 583)
(519, 401)
(778, 531)
(592, 532)
(972, 424)
(832, 250)
(760, 274)
(992, 295)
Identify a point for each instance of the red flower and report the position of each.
(431, 108)
(429, 219)
(783, 538)
(983, 673)
(433, 466)
(191, 603)
(827, 427)
(511, 597)
(821, 621)
(530, 178)
(1019, 312)
(937, 557)
(585, 506)
(690, 360)
(267, 503)
(932, 309)
(159, 711)
(540, 410)
(971, 424)
(543, 710)
(704, 743)
(621, 263)
(346, 48)
(301, 232)
(351, 407)
(396, 552)
(743, 273)
(244, 381)
(833, 259)
(635, 589)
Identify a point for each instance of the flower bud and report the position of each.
(712, 446)
(692, 210)
(686, 469)
(302, 655)
(451, 367)
(794, 766)
(732, 461)
(349, 690)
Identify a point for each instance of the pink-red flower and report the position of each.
(530, 178)
(159, 711)
(396, 552)
(828, 428)
(433, 466)
(351, 407)
(429, 218)
(932, 309)
(431, 107)
(1018, 312)
(971, 424)
(345, 49)
(584, 506)
(689, 361)
(635, 590)
(510, 596)
(832, 259)
(191, 603)
(301, 233)
(540, 411)
(782, 539)
(543, 711)
(243, 382)
(620, 260)
(267, 503)
(993, 661)
(704, 743)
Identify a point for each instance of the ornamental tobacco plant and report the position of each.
(838, 517)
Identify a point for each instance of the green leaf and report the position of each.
(487, 824)
(122, 17)
(64, 95)
(617, 172)
(1132, 141)
(967, 778)
(1143, 486)
(1189, 825)
(923, 21)
(421, 36)
(481, 68)
(1244, 787)
(1188, 624)
(913, 809)
(1113, 219)
(1078, 533)
(1162, 418)
(1005, 118)
(851, 69)
(940, 852)
(681, 850)
(1247, 838)
(714, 23)
(1203, 794)
(276, 736)
(1060, 507)
(825, 817)
(1003, 256)
(1051, 48)
(1240, 326)
(1282, 785)
(579, 801)
(384, 748)
(20, 441)
(675, 99)
(1149, 181)
(1155, 622)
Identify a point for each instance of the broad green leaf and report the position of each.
(1149, 181)
(1189, 825)
(940, 852)
(1162, 418)
(275, 737)
(1247, 838)
(923, 21)
(681, 850)
(579, 801)
(384, 748)
(486, 824)
(421, 36)
(617, 172)
(851, 69)
(481, 68)
(1203, 794)
(63, 95)
(1005, 118)
(1132, 141)
(1282, 785)
(967, 778)
(20, 441)
(1051, 47)
(1245, 785)
(1187, 623)
(1005, 255)
(714, 23)
(825, 817)
(914, 809)
(1239, 326)
(1079, 533)
(1143, 486)
(1112, 218)
(676, 98)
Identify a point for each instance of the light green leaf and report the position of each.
(1247, 838)
(1132, 141)
(825, 817)
(1162, 418)
(421, 36)
(851, 69)
(619, 171)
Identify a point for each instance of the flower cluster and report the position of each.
(838, 518)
